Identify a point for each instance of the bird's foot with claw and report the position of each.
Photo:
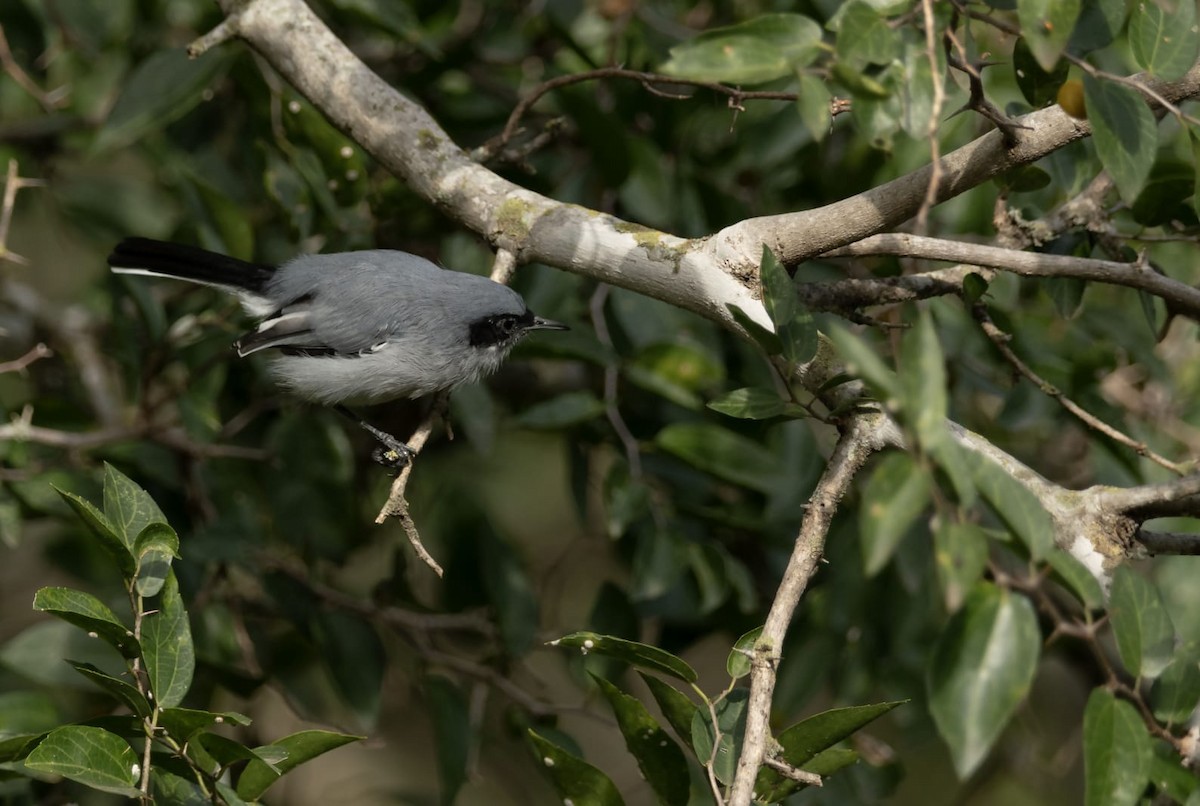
(392, 453)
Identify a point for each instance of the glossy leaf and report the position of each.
(299, 747)
(1040, 87)
(895, 495)
(721, 745)
(982, 668)
(183, 724)
(1125, 133)
(92, 756)
(675, 706)
(1163, 37)
(1077, 578)
(1116, 751)
(658, 756)
(808, 740)
(779, 294)
(1047, 26)
(128, 508)
(104, 531)
(155, 546)
(641, 655)
(1141, 625)
(125, 692)
(753, 403)
(738, 662)
(89, 614)
(576, 781)
(167, 647)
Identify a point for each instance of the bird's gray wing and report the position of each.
(295, 328)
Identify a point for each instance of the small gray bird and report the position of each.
(356, 327)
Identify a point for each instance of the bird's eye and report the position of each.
(508, 324)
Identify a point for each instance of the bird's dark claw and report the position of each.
(391, 453)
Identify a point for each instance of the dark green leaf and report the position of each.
(128, 508)
(982, 667)
(1116, 751)
(738, 662)
(721, 746)
(631, 652)
(1067, 293)
(864, 362)
(807, 742)
(762, 49)
(895, 496)
(1099, 23)
(813, 104)
(779, 294)
(452, 731)
(1164, 198)
(1047, 26)
(182, 724)
(511, 594)
(923, 384)
(1141, 625)
(675, 706)
(974, 287)
(865, 37)
(1077, 578)
(722, 453)
(167, 647)
(155, 546)
(1163, 37)
(125, 692)
(658, 756)
(563, 411)
(354, 654)
(88, 613)
(1177, 690)
(960, 554)
(861, 85)
(575, 779)
(299, 747)
(104, 531)
(161, 89)
(92, 756)
(754, 403)
(1124, 131)
(227, 752)
(763, 337)
(1020, 509)
(676, 371)
(1040, 87)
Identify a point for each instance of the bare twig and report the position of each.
(225, 30)
(1174, 543)
(794, 773)
(49, 101)
(935, 115)
(1000, 340)
(12, 184)
(38, 352)
(858, 441)
(1030, 264)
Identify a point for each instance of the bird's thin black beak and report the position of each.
(546, 324)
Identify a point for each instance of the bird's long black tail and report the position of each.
(148, 256)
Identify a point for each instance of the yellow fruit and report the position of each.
(1070, 98)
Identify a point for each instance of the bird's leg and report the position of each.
(391, 453)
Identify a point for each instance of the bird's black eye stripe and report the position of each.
(493, 330)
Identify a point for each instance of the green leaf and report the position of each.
(814, 105)
(1067, 294)
(126, 693)
(675, 371)
(974, 287)
(1163, 37)
(1099, 23)
(182, 724)
(753, 403)
(1024, 179)
(764, 338)
(563, 411)
(895, 496)
(960, 552)
(299, 747)
(641, 655)
(575, 779)
(1020, 509)
(355, 657)
(1164, 197)
(155, 546)
(128, 507)
(160, 90)
(88, 613)
(726, 738)
(923, 383)
(658, 756)
(511, 594)
(738, 662)
(675, 706)
(1040, 87)
(865, 37)
(92, 756)
(167, 647)
(1047, 26)
(452, 732)
(762, 49)
(1116, 751)
(804, 743)
(227, 752)
(982, 667)
(722, 453)
(1077, 578)
(779, 294)
(104, 531)
(864, 362)
(1125, 133)
(1177, 690)
(1141, 624)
